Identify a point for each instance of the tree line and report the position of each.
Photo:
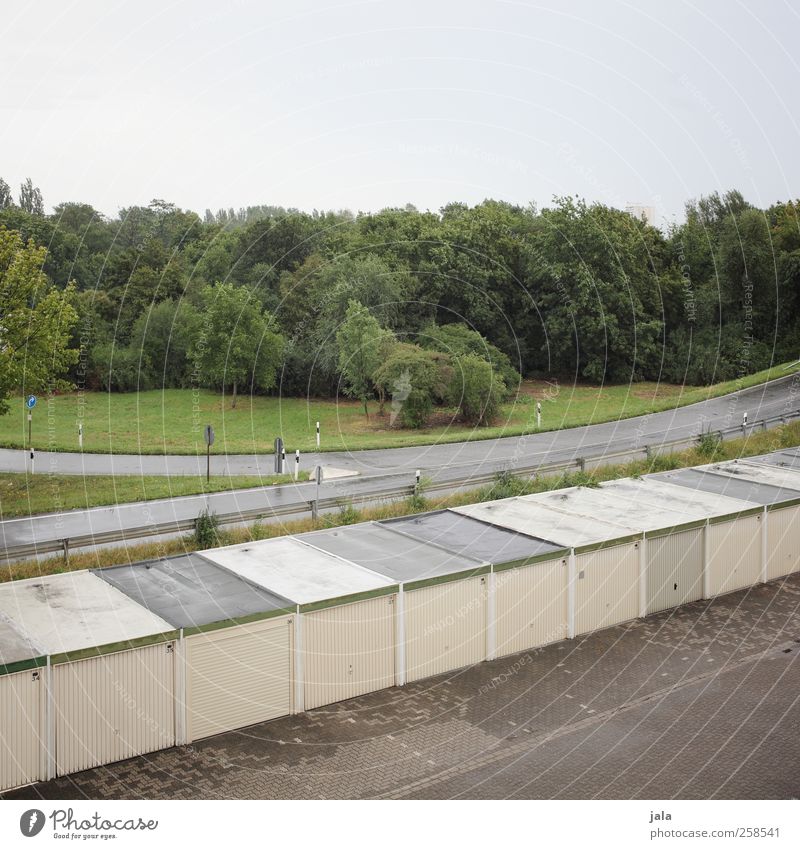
(447, 307)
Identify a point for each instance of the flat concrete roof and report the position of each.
(14, 645)
(387, 552)
(76, 610)
(468, 536)
(292, 569)
(605, 505)
(783, 478)
(724, 484)
(190, 591)
(527, 517)
(786, 457)
(692, 504)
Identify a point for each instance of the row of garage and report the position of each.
(100, 666)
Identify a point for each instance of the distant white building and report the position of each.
(643, 213)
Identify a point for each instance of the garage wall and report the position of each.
(445, 627)
(238, 676)
(606, 587)
(675, 569)
(531, 606)
(783, 538)
(22, 727)
(113, 707)
(348, 650)
(734, 554)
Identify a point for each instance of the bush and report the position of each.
(708, 444)
(407, 380)
(206, 530)
(476, 390)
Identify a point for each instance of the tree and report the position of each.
(30, 198)
(361, 341)
(35, 321)
(5, 195)
(235, 341)
(476, 390)
(409, 376)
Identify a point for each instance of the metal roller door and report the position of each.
(606, 587)
(783, 540)
(531, 606)
(348, 650)
(22, 724)
(238, 676)
(674, 569)
(113, 707)
(734, 554)
(445, 627)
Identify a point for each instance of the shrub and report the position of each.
(476, 390)
(206, 530)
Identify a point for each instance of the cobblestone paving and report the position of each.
(695, 703)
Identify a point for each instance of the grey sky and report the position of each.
(372, 104)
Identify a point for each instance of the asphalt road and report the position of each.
(377, 469)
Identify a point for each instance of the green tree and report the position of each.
(361, 341)
(30, 198)
(35, 321)
(235, 342)
(6, 199)
(476, 390)
(409, 376)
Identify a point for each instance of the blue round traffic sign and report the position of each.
(30, 403)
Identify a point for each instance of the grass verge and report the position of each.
(503, 487)
(171, 421)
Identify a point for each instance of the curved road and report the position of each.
(378, 468)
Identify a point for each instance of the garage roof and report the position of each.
(723, 484)
(190, 591)
(528, 517)
(391, 553)
(785, 457)
(783, 478)
(464, 535)
(693, 504)
(15, 648)
(75, 611)
(297, 571)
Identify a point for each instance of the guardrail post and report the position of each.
(581, 463)
(65, 546)
(647, 452)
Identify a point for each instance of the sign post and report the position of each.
(278, 454)
(538, 415)
(318, 474)
(30, 403)
(80, 436)
(317, 436)
(297, 464)
(208, 435)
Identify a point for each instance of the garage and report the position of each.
(529, 576)
(604, 563)
(345, 622)
(23, 710)
(237, 647)
(112, 667)
(736, 551)
(442, 599)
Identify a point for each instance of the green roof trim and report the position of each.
(609, 543)
(242, 620)
(561, 554)
(22, 665)
(741, 514)
(114, 648)
(348, 599)
(783, 504)
(410, 586)
(675, 529)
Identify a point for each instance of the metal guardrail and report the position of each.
(392, 493)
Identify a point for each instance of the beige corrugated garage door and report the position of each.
(238, 676)
(531, 606)
(22, 724)
(734, 554)
(606, 587)
(113, 707)
(348, 650)
(783, 537)
(674, 569)
(445, 627)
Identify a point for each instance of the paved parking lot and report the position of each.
(703, 702)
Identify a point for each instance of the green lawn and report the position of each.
(172, 420)
(24, 495)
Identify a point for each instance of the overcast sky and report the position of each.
(371, 104)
